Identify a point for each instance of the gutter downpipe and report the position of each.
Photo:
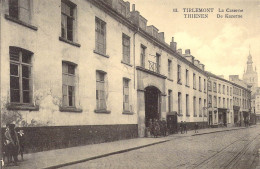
(1, 155)
(208, 102)
(134, 54)
(137, 112)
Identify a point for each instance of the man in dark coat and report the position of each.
(12, 143)
(164, 124)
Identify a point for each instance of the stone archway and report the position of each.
(152, 104)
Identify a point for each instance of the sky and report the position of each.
(222, 44)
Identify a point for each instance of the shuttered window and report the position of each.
(20, 9)
(126, 94)
(68, 84)
(100, 91)
(67, 19)
(126, 48)
(100, 36)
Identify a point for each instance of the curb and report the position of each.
(222, 131)
(127, 150)
(104, 155)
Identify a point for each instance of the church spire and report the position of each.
(249, 63)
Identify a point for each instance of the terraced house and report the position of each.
(220, 98)
(77, 72)
(242, 100)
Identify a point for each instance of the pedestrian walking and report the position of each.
(12, 144)
(196, 127)
(185, 127)
(164, 127)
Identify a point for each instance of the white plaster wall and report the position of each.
(49, 52)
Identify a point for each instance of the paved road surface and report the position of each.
(231, 149)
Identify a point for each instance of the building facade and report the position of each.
(242, 100)
(220, 101)
(80, 72)
(255, 102)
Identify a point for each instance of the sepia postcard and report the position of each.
(129, 84)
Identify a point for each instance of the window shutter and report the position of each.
(24, 10)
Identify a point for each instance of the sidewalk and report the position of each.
(62, 157)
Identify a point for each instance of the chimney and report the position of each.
(179, 51)
(133, 7)
(173, 45)
(187, 51)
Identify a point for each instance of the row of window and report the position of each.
(68, 19)
(229, 89)
(20, 10)
(225, 103)
(179, 78)
(242, 102)
(21, 82)
(195, 113)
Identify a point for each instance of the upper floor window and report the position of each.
(224, 89)
(230, 91)
(209, 85)
(100, 90)
(219, 88)
(187, 77)
(215, 101)
(210, 101)
(227, 90)
(205, 87)
(199, 83)
(215, 87)
(158, 57)
(154, 63)
(68, 10)
(20, 75)
(20, 9)
(126, 105)
(169, 68)
(100, 36)
(179, 74)
(126, 48)
(143, 49)
(194, 81)
(68, 84)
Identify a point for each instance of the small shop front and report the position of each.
(222, 117)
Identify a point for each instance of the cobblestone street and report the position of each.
(230, 149)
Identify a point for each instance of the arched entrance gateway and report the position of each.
(152, 104)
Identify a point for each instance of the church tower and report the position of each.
(250, 75)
